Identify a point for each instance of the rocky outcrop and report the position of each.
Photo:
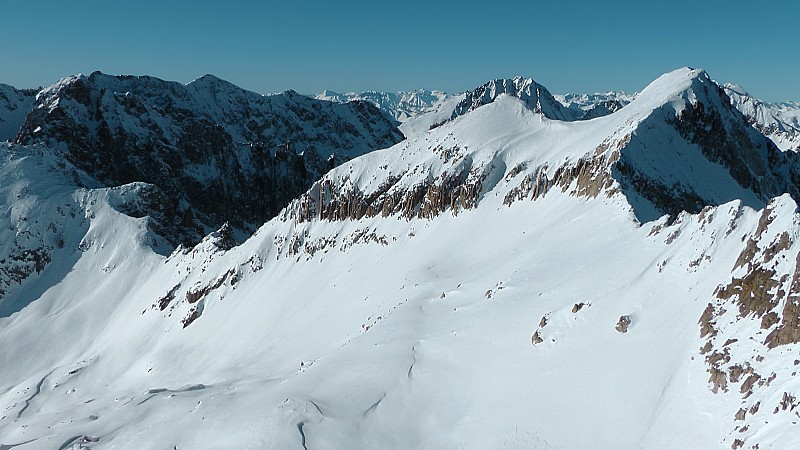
(342, 200)
(622, 324)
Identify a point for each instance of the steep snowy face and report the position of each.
(778, 121)
(725, 159)
(216, 152)
(49, 205)
(15, 104)
(535, 96)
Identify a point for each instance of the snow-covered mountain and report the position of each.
(779, 121)
(213, 152)
(505, 280)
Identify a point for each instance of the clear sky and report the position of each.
(344, 45)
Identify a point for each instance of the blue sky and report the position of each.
(311, 45)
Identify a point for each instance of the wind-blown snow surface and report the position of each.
(489, 322)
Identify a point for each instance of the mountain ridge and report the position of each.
(203, 144)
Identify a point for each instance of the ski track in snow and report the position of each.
(37, 390)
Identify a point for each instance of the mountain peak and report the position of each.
(209, 81)
(535, 96)
(208, 78)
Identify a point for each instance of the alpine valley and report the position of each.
(200, 266)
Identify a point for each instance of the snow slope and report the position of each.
(502, 281)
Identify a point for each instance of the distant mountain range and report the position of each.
(778, 121)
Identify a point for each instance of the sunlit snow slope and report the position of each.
(505, 280)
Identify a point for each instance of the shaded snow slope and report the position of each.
(48, 206)
(15, 104)
(494, 283)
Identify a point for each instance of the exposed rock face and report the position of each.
(341, 200)
(764, 285)
(623, 323)
(44, 218)
(753, 312)
(213, 151)
(758, 169)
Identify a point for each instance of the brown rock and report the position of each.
(623, 324)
